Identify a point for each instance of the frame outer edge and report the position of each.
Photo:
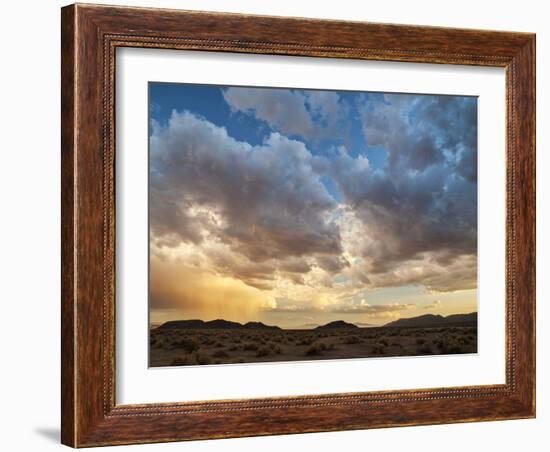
(68, 216)
(86, 419)
(525, 62)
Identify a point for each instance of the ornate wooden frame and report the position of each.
(90, 35)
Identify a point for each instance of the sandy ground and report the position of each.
(180, 347)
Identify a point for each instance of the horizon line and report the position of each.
(314, 326)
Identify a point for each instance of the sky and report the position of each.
(298, 207)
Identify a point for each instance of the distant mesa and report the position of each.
(260, 326)
(336, 324)
(218, 324)
(437, 320)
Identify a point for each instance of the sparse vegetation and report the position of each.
(188, 345)
(316, 349)
(352, 340)
(264, 351)
(179, 362)
(250, 346)
(220, 354)
(191, 347)
(424, 350)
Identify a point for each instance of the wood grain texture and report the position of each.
(90, 36)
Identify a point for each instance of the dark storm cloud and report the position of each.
(332, 264)
(264, 202)
(425, 201)
(419, 131)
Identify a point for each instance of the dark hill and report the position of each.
(259, 326)
(429, 320)
(218, 324)
(176, 324)
(462, 318)
(336, 324)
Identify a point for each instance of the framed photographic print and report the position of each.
(281, 225)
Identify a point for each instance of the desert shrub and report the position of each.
(179, 361)
(420, 341)
(233, 348)
(250, 347)
(314, 349)
(383, 342)
(448, 347)
(263, 351)
(219, 345)
(396, 344)
(424, 349)
(305, 341)
(189, 345)
(378, 350)
(160, 342)
(352, 340)
(220, 354)
(275, 348)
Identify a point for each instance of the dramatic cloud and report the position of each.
(264, 203)
(421, 206)
(298, 224)
(420, 131)
(310, 114)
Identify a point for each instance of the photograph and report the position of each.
(291, 224)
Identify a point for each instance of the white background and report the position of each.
(30, 225)
(137, 384)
